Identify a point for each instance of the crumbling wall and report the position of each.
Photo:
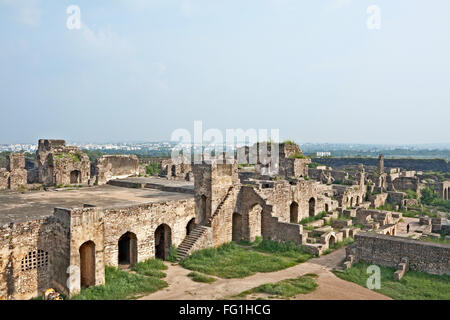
(60, 164)
(4, 179)
(109, 167)
(26, 256)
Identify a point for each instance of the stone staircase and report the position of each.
(219, 207)
(188, 243)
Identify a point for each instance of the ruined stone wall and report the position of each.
(59, 164)
(377, 200)
(109, 167)
(143, 220)
(294, 167)
(26, 256)
(4, 179)
(176, 170)
(406, 183)
(388, 251)
(396, 197)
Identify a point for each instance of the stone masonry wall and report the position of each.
(143, 220)
(388, 251)
(109, 167)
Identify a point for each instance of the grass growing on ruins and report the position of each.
(121, 285)
(232, 261)
(286, 288)
(198, 277)
(315, 218)
(339, 245)
(150, 267)
(413, 285)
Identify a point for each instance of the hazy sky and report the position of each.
(139, 69)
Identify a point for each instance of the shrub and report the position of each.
(198, 277)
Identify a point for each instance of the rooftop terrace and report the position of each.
(20, 207)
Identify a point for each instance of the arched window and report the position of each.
(293, 212)
(312, 207)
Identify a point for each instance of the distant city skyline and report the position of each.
(138, 70)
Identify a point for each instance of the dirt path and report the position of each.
(181, 287)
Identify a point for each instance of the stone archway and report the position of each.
(351, 202)
(293, 210)
(331, 241)
(312, 207)
(357, 200)
(127, 249)
(75, 177)
(163, 241)
(327, 207)
(87, 264)
(190, 226)
(236, 227)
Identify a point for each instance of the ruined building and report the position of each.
(64, 240)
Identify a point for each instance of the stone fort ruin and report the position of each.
(64, 239)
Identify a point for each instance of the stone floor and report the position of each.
(19, 207)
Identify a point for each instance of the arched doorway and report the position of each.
(163, 241)
(127, 250)
(87, 264)
(331, 241)
(293, 212)
(357, 200)
(327, 208)
(237, 227)
(312, 207)
(388, 234)
(75, 177)
(351, 202)
(190, 226)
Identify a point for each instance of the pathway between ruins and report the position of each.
(181, 287)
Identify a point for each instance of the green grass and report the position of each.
(232, 261)
(286, 288)
(121, 285)
(298, 155)
(339, 245)
(315, 218)
(150, 267)
(284, 249)
(413, 285)
(198, 277)
(153, 169)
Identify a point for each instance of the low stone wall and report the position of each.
(284, 231)
(388, 251)
(377, 200)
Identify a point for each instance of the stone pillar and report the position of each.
(381, 164)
